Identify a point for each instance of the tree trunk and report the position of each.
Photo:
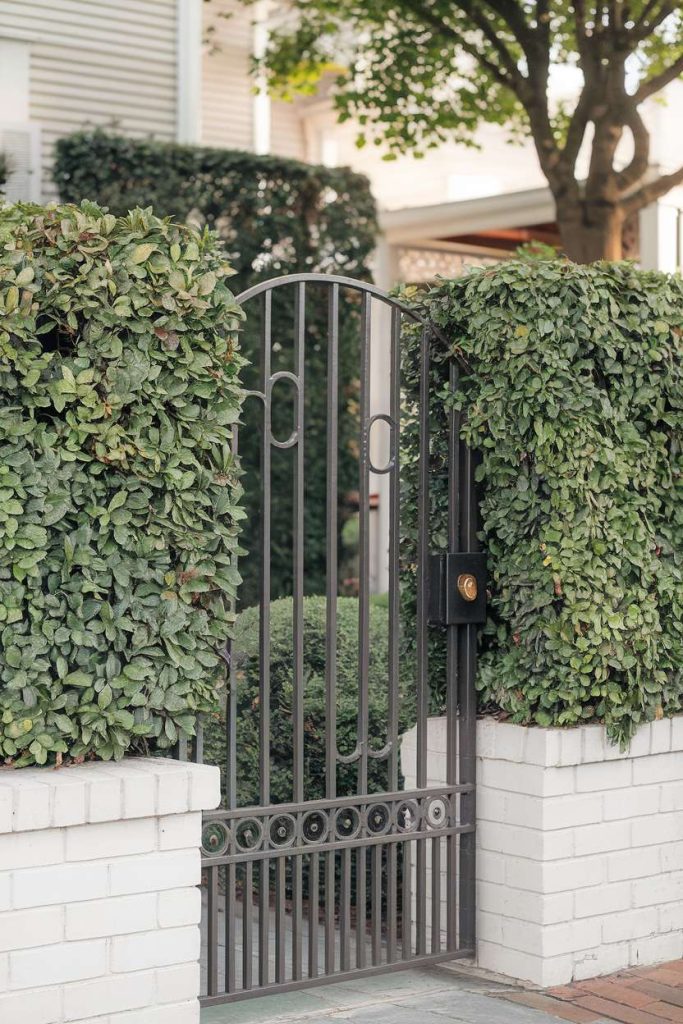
(591, 231)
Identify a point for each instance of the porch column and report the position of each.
(660, 236)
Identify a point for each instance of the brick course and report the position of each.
(580, 847)
(99, 905)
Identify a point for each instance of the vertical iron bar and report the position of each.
(313, 912)
(331, 574)
(212, 933)
(298, 553)
(331, 607)
(394, 549)
(423, 568)
(364, 545)
(394, 616)
(436, 894)
(361, 908)
(468, 717)
(407, 901)
(298, 607)
(392, 903)
(421, 897)
(264, 617)
(297, 918)
(231, 733)
(264, 630)
(376, 909)
(452, 666)
(231, 699)
(198, 751)
(280, 920)
(330, 901)
(230, 916)
(264, 923)
(422, 634)
(247, 925)
(345, 911)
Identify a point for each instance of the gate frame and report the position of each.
(461, 638)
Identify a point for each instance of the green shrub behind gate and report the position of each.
(118, 493)
(574, 398)
(246, 652)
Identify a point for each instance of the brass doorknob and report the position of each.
(467, 586)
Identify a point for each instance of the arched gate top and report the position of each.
(364, 287)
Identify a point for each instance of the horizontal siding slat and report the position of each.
(46, 82)
(91, 41)
(105, 104)
(59, 61)
(66, 124)
(64, 12)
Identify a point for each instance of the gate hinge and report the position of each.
(457, 588)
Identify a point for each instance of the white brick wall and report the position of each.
(579, 848)
(99, 905)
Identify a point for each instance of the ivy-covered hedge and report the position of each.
(276, 216)
(118, 493)
(574, 398)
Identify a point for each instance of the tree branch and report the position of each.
(577, 129)
(513, 16)
(509, 75)
(542, 8)
(632, 174)
(652, 191)
(643, 28)
(657, 82)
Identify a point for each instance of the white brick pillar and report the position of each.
(579, 847)
(99, 897)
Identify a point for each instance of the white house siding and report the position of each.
(227, 89)
(287, 134)
(97, 63)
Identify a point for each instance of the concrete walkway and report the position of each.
(428, 996)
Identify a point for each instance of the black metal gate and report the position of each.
(315, 890)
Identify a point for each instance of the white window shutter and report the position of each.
(20, 144)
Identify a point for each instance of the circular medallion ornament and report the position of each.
(407, 816)
(436, 812)
(347, 822)
(249, 834)
(314, 827)
(379, 819)
(215, 838)
(282, 830)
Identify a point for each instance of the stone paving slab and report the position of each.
(420, 996)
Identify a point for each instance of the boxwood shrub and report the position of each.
(282, 681)
(573, 395)
(119, 499)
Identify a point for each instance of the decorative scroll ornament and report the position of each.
(242, 834)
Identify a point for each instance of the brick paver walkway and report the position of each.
(646, 995)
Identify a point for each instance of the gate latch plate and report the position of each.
(450, 579)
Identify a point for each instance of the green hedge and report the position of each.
(281, 679)
(574, 398)
(118, 493)
(277, 216)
